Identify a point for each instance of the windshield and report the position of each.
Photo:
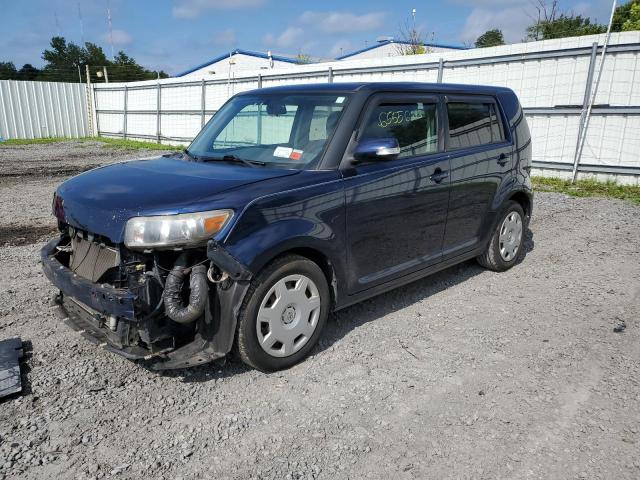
(276, 130)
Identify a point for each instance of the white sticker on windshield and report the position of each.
(282, 152)
(339, 99)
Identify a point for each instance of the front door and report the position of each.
(396, 209)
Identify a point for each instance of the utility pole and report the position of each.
(89, 109)
(106, 77)
(581, 140)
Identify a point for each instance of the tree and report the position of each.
(551, 23)
(411, 40)
(8, 71)
(92, 54)
(28, 72)
(564, 26)
(623, 15)
(303, 58)
(63, 60)
(633, 23)
(633, 20)
(490, 38)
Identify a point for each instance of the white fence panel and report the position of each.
(549, 77)
(43, 109)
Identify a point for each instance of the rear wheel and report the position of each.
(506, 245)
(283, 314)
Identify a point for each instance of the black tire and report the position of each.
(492, 258)
(247, 345)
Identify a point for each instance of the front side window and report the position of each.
(277, 130)
(413, 124)
(472, 124)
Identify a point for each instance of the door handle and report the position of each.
(502, 159)
(438, 175)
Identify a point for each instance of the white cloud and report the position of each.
(120, 38)
(290, 37)
(193, 8)
(312, 24)
(225, 37)
(512, 21)
(343, 22)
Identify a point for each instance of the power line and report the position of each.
(81, 24)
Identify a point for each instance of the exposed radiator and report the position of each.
(91, 260)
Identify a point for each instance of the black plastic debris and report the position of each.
(620, 327)
(10, 355)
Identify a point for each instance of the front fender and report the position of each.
(311, 217)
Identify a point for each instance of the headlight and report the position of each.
(166, 231)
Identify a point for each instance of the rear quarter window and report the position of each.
(472, 124)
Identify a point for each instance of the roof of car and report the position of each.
(382, 86)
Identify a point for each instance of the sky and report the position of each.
(174, 35)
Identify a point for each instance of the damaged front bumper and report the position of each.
(121, 320)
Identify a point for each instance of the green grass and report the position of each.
(108, 142)
(588, 188)
(132, 144)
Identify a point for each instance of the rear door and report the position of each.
(480, 154)
(396, 209)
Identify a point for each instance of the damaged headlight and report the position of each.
(167, 231)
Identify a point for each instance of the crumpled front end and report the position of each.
(173, 308)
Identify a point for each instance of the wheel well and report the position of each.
(325, 265)
(524, 202)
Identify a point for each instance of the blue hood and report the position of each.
(102, 200)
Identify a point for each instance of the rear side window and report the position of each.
(472, 124)
(413, 124)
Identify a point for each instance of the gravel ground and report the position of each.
(466, 374)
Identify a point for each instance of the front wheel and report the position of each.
(283, 314)
(506, 245)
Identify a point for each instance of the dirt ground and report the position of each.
(467, 374)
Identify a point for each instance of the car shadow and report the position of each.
(344, 321)
(216, 370)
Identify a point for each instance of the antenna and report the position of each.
(110, 27)
(55, 18)
(81, 24)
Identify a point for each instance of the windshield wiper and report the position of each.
(235, 159)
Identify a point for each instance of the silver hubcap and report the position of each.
(288, 315)
(510, 236)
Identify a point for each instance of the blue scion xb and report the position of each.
(290, 203)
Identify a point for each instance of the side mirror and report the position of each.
(377, 149)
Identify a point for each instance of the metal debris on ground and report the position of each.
(10, 354)
(620, 327)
